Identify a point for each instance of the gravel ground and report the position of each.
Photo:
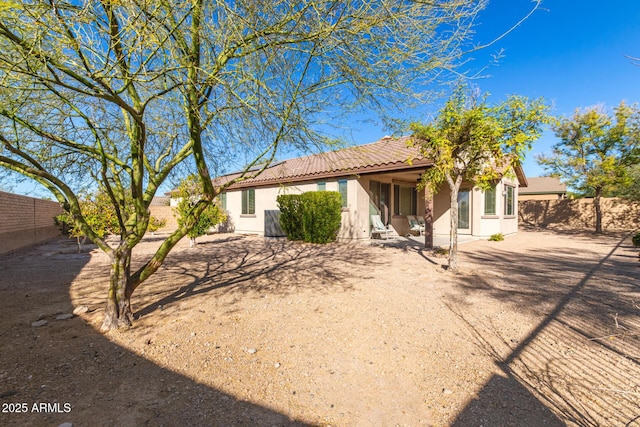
(540, 329)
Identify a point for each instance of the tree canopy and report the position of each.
(116, 95)
(596, 151)
(475, 142)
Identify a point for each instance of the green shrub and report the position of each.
(290, 206)
(156, 224)
(636, 239)
(498, 237)
(312, 217)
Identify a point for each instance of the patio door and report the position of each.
(379, 202)
(464, 212)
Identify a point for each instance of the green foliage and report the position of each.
(291, 215)
(629, 190)
(498, 237)
(313, 217)
(98, 213)
(636, 239)
(190, 194)
(124, 94)
(476, 142)
(155, 224)
(441, 252)
(596, 151)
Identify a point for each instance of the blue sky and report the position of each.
(573, 53)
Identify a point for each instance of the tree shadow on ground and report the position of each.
(68, 362)
(578, 360)
(251, 265)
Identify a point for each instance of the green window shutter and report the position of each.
(342, 189)
(223, 201)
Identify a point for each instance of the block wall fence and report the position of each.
(617, 214)
(26, 221)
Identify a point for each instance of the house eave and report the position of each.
(419, 164)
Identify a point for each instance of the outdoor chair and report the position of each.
(414, 225)
(383, 232)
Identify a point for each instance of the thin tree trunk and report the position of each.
(118, 311)
(453, 230)
(454, 186)
(596, 204)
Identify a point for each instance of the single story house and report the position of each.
(544, 188)
(374, 178)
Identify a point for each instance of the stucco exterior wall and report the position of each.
(356, 223)
(265, 199)
(26, 221)
(552, 196)
(481, 225)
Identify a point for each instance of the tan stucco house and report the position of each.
(374, 178)
(544, 188)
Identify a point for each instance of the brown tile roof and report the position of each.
(544, 185)
(387, 154)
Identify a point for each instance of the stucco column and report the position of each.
(428, 218)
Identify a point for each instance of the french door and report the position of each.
(464, 212)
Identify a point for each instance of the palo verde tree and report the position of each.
(474, 142)
(115, 95)
(595, 151)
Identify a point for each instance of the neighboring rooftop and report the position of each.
(544, 185)
(386, 154)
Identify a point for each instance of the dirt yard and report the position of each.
(542, 329)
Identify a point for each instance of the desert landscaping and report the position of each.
(540, 329)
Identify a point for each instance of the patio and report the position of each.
(439, 241)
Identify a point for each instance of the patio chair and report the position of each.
(414, 225)
(377, 227)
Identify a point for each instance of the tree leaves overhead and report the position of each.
(117, 95)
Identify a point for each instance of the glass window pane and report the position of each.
(509, 199)
(490, 201)
(248, 202)
(463, 210)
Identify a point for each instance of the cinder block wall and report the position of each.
(26, 221)
(165, 212)
(617, 214)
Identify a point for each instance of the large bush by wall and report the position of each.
(312, 217)
(25, 221)
(617, 214)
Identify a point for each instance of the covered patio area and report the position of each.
(439, 241)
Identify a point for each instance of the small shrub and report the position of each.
(156, 224)
(312, 217)
(441, 252)
(290, 206)
(636, 239)
(498, 237)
